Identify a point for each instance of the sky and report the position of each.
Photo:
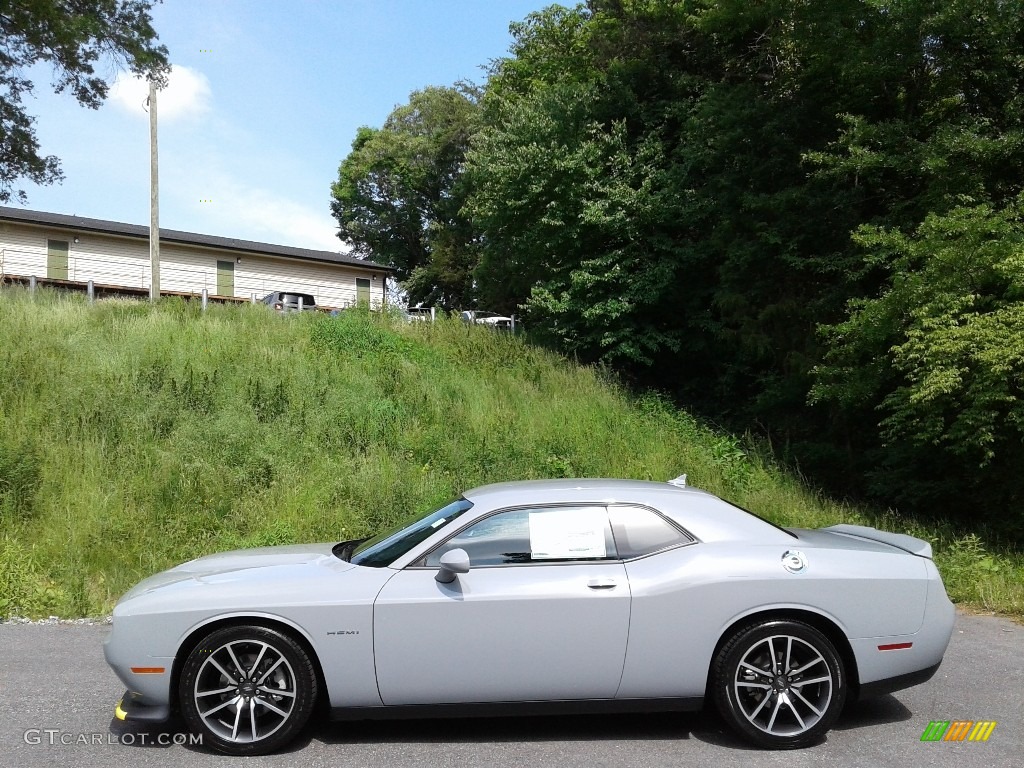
(263, 103)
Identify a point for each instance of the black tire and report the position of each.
(788, 702)
(247, 690)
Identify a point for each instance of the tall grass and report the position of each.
(135, 437)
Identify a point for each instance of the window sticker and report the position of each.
(569, 533)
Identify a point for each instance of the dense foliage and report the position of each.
(801, 218)
(73, 37)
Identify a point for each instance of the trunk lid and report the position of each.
(902, 541)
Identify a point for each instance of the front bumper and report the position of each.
(147, 677)
(131, 709)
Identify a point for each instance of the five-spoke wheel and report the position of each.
(247, 690)
(781, 684)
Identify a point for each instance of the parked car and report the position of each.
(490, 319)
(290, 301)
(542, 596)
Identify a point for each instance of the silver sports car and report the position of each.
(562, 595)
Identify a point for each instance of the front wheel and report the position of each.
(780, 684)
(247, 690)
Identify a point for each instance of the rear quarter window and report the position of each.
(641, 531)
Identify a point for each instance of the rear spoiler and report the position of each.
(899, 540)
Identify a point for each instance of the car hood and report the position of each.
(231, 566)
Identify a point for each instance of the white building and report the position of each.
(70, 251)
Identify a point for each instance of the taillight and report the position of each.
(278, 306)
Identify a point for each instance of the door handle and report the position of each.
(602, 584)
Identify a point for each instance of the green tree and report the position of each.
(570, 186)
(920, 368)
(399, 195)
(640, 187)
(938, 355)
(73, 36)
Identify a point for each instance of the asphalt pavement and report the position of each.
(57, 698)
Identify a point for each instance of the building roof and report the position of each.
(82, 224)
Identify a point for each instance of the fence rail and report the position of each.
(94, 290)
(130, 277)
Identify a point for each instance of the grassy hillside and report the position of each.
(133, 438)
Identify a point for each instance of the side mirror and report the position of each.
(453, 562)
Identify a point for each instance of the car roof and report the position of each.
(703, 514)
(575, 489)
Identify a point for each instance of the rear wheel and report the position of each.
(247, 690)
(780, 684)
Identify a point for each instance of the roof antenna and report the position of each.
(679, 481)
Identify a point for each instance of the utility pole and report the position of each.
(154, 200)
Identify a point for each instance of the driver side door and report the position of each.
(542, 614)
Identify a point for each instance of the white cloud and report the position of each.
(236, 209)
(283, 221)
(187, 94)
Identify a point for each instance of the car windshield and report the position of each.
(384, 549)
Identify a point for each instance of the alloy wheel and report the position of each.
(245, 691)
(783, 685)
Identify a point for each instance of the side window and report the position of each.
(640, 531)
(540, 535)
